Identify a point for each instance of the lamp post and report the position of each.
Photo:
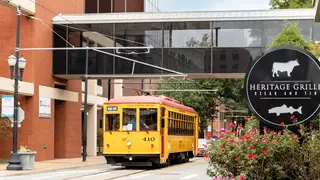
(15, 66)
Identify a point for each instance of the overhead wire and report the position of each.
(77, 26)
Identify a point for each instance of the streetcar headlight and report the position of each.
(129, 143)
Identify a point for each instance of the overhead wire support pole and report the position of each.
(85, 117)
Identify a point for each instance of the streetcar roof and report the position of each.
(151, 100)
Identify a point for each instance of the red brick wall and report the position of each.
(37, 132)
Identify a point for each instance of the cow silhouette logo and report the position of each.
(284, 67)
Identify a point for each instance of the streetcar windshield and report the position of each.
(129, 119)
(148, 119)
(112, 122)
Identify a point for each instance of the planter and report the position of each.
(27, 160)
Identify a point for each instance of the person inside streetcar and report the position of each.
(143, 126)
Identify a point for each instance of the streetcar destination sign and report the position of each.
(282, 87)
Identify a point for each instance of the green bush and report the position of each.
(255, 156)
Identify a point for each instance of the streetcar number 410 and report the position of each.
(148, 139)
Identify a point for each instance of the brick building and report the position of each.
(58, 136)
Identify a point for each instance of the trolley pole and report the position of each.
(84, 135)
(109, 89)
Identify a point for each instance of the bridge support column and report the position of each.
(118, 90)
(92, 130)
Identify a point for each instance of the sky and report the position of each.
(212, 5)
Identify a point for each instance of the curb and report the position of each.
(49, 170)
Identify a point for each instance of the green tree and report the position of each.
(229, 91)
(290, 36)
(290, 4)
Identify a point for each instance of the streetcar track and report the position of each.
(96, 173)
(109, 170)
(134, 173)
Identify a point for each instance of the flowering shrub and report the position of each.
(273, 155)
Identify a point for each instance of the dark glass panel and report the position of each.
(98, 63)
(123, 66)
(139, 34)
(105, 6)
(190, 60)
(91, 6)
(59, 63)
(236, 60)
(187, 34)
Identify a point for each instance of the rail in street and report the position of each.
(193, 170)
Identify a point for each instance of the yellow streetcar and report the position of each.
(149, 131)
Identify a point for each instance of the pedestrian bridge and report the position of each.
(197, 44)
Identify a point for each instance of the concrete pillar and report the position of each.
(118, 90)
(92, 130)
(92, 87)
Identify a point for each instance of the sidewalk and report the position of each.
(51, 165)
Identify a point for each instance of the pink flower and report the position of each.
(241, 178)
(220, 136)
(245, 117)
(265, 152)
(231, 124)
(310, 127)
(282, 123)
(292, 117)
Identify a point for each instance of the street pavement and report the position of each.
(193, 170)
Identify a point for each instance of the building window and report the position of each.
(99, 82)
(223, 55)
(235, 55)
(112, 122)
(98, 6)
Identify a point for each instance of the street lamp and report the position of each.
(15, 161)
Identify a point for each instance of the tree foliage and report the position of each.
(290, 36)
(290, 4)
(227, 90)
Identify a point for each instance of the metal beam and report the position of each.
(182, 90)
(120, 76)
(82, 48)
(152, 83)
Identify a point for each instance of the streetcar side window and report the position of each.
(112, 122)
(129, 119)
(148, 119)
